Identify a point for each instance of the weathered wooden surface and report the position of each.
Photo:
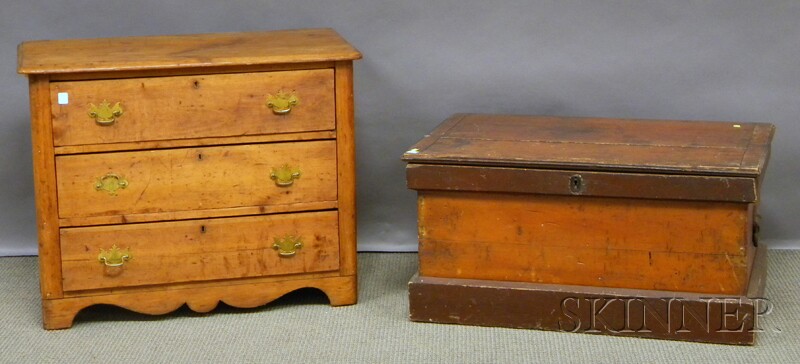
(645, 244)
(726, 319)
(196, 178)
(531, 222)
(199, 250)
(220, 105)
(649, 146)
(183, 51)
(599, 184)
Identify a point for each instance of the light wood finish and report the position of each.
(645, 146)
(44, 184)
(59, 314)
(220, 105)
(196, 145)
(346, 156)
(196, 178)
(646, 244)
(211, 70)
(183, 51)
(198, 250)
(198, 284)
(178, 143)
(196, 214)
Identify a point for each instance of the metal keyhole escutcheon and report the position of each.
(576, 186)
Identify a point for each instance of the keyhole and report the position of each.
(200, 156)
(202, 229)
(576, 184)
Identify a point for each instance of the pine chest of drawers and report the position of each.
(192, 169)
(575, 224)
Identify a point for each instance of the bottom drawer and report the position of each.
(199, 250)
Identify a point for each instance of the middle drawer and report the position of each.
(125, 183)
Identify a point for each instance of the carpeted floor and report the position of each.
(302, 328)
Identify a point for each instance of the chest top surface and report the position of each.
(645, 146)
(183, 51)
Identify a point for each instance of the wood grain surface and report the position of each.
(201, 297)
(645, 244)
(199, 250)
(200, 178)
(725, 319)
(649, 146)
(186, 107)
(178, 143)
(346, 168)
(196, 145)
(183, 51)
(598, 184)
(44, 186)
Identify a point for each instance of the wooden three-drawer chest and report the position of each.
(192, 169)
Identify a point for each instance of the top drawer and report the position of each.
(185, 107)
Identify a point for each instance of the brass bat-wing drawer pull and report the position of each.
(284, 175)
(105, 114)
(282, 102)
(111, 183)
(287, 246)
(114, 257)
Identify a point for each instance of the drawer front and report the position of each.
(183, 179)
(199, 250)
(186, 107)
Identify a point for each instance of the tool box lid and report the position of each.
(682, 155)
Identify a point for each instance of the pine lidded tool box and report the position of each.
(628, 227)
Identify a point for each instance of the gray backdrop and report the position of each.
(424, 60)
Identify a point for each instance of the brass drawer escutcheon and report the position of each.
(282, 102)
(114, 257)
(105, 114)
(284, 175)
(287, 246)
(111, 183)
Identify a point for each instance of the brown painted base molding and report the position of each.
(725, 319)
